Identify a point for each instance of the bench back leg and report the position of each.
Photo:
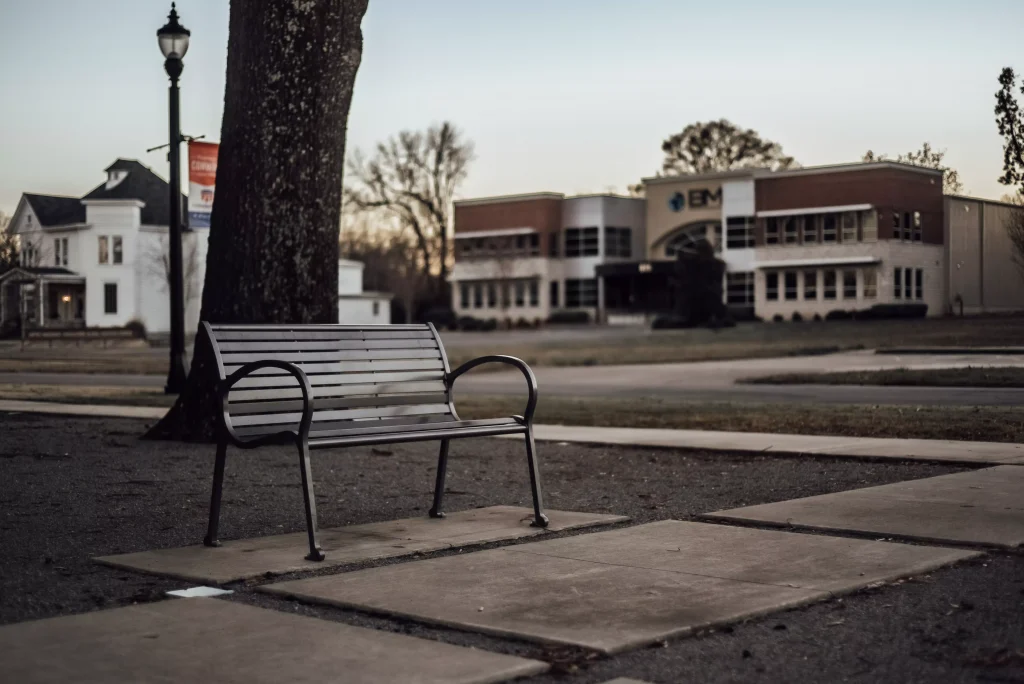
(218, 486)
(539, 519)
(442, 468)
(315, 553)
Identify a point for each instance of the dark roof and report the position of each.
(36, 270)
(141, 184)
(54, 210)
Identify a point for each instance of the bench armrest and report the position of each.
(224, 387)
(531, 379)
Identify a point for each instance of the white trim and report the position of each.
(495, 233)
(115, 202)
(499, 199)
(379, 296)
(851, 166)
(814, 210)
(835, 261)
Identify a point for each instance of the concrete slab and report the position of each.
(211, 640)
(982, 507)
(946, 451)
(625, 680)
(106, 411)
(274, 555)
(616, 590)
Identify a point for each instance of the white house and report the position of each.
(101, 260)
(356, 306)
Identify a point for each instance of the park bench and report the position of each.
(324, 386)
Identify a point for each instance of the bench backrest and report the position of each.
(363, 376)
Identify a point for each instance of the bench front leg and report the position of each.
(539, 518)
(442, 468)
(309, 499)
(218, 487)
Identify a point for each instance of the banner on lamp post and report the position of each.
(202, 176)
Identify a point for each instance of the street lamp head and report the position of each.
(173, 37)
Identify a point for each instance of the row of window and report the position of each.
(500, 246)
(60, 251)
(579, 293)
(105, 254)
(578, 242)
(831, 281)
(907, 283)
(845, 226)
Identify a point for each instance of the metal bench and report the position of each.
(321, 386)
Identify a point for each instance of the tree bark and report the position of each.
(273, 251)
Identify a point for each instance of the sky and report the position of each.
(569, 96)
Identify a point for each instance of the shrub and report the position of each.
(569, 317)
(778, 318)
(443, 319)
(838, 315)
(137, 327)
(883, 311)
(670, 323)
(742, 313)
(469, 323)
(796, 317)
(489, 324)
(522, 323)
(817, 317)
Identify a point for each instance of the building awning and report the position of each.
(835, 261)
(503, 232)
(802, 211)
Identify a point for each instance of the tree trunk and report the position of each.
(273, 251)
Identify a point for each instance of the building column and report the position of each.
(41, 293)
(602, 314)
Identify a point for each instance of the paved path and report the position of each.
(99, 410)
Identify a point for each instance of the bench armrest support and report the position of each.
(286, 436)
(531, 379)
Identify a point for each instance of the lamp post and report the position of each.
(173, 40)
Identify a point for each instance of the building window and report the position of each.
(849, 226)
(917, 226)
(810, 224)
(771, 231)
(811, 285)
(870, 283)
(791, 292)
(478, 295)
(553, 245)
(463, 295)
(376, 308)
(919, 284)
(534, 244)
(520, 293)
(56, 251)
(907, 235)
(908, 283)
(869, 225)
(897, 288)
(830, 285)
(492, 295)
(739, 288)
(553, 293)
(580, 292)
(618, 242)
(534, 293)
(118, 250)
(789, 230)
(828, 233)
(895, 225)
(717, 241)
(739, 232)
(104, 251)
(64, 252)
(581, 242)
(771, 286)
(110, 298)
(849, 284)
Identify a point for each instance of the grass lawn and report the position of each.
(939, 377)
(985, 423)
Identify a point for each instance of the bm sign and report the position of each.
(698, 198)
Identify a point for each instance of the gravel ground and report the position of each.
(74, 488)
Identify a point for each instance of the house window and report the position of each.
(828, 233)
(104, 249)
(739, 288)
(581, 242)
(789, 230)
(618, 242)
(830, 285)
(849, 284)
(580, 292)
(849, 226)
(56, 252)
(897, 288)
(463, 295)
(791, 292)
(478, 295)
(64, 252)
(553, 245)
(739, 232)
(810, 224)
(771, 231)
(870, 283)
(907, 235)
(908, 283)
(534, 293)
(534, 244)
(917, 226)
(919, 284)
(869, 225)
(376, 308)
(895, 225)
(520, 293)
(492, 295)
(810, 285)
(771, 287)
(553, 293)
(110, 298)
(118, 251)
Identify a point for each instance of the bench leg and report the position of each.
(315, 554)
(539, 519)
(442, 469)
(218, 486)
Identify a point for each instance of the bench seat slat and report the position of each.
(348, 367)
(424, 424)
(268, 381)
(299, 357)
(327, 391)
(442, 432)
(341, 414)
(322, 404)
(325, 345)
(275, 335)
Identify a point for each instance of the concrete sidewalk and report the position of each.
(945, 451)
